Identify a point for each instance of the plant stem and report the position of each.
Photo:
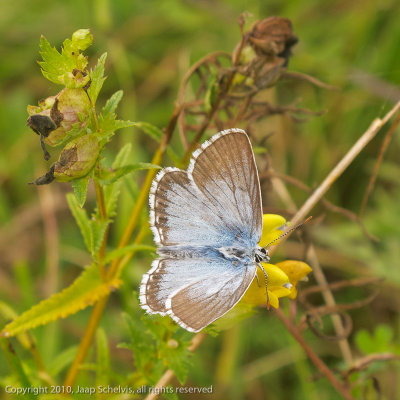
(322, 367)
(86, 340)
(103, 215)
(114, 268)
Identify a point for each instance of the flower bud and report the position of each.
(82, 39)
(76, 160)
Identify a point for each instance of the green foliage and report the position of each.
(92, 230)
(149, 129)
(157, 335)
(103, 358)
(97, 78)
(80, 190)
(149, 46)
(59, 67)
(84, 291)
(380, 341)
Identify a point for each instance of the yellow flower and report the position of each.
(282, 279)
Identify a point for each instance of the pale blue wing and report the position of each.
(225, 172)
(181, 215)
(195, 292)
(216, 202)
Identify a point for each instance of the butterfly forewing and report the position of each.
(225, 172)
(180, 214)
(214, 205)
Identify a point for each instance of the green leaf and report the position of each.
(80, 190)
(141, 343)
(111, 192)
(126, 250)
(211, 94)
(62, 360)
(97, 79)
(88, 288)
(108, 123)
(112, 104)
(81, 219)
(97, 231)
(58, 67)
(149, 129)
(118, 173)
(103, 358)
(92, 230)
(177, 356)
(16, 365)
(54, 65)
(123, 156)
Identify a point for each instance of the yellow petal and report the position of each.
(276, 276)
(270, 232)
(279, 291)
(295, 270)
(293, 292)
(256, 294)
(273, 300)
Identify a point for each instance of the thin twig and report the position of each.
(375, 126)
(369, 134)
(374, 175)
(308, 78)
(322, 367)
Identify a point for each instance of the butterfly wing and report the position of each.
(225, 172)
(195, 292)
(215, 203)
(180, 214)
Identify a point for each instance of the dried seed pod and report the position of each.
(41, 122)
(76, 160)
(273, 36)
(68, 104)
(54, 116)
(264, 54)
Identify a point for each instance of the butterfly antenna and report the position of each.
(289, 231)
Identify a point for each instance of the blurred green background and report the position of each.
(351, 45)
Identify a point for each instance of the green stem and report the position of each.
(103, 215)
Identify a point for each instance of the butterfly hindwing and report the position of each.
(194, 292)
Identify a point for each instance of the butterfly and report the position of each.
(207, 222)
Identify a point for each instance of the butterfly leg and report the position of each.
(258, 282)
(259, 265)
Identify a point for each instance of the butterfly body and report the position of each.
(207, 222)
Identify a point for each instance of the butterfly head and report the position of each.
(261, 255)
